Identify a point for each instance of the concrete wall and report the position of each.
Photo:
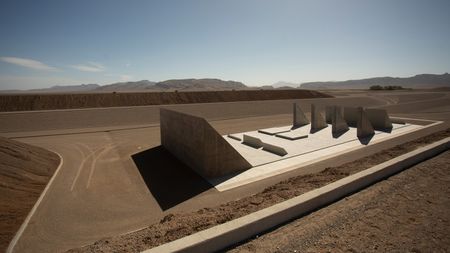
(317, 119)
(379, 119)
(351, 116)
(338, 123)
(329, 113)
(252, 141)
(364, 127)
(196, 143)
(299, 117)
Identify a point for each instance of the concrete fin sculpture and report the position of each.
(364, 127)
(379, 119)
(252, 141)
(317, 119)
(299, 117)
(338, 123)
(196, 143)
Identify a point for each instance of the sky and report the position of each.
(45, 43)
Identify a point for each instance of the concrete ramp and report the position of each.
(379, 119)
(364, 127)
(196, 143)
(317, 119)
(299, 117)
(338, 124)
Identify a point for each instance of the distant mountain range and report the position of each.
(144, 85)
(418, 81)
(423, 81)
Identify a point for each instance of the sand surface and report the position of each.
(408, 212)
(24, 172)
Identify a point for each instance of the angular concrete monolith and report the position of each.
(274, 149)
(252, 141)
(364, 128)
(351, 116)
(317, 119)
(338, 124)
(299, 117)
(379, 119)
(196, 143)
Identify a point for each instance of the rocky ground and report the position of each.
(408, 212)
(177, 225)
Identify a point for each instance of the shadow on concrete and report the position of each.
(366, 140)
(338, 134)
(169, 180)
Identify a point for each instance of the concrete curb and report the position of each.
(237, 230)
(19, 232)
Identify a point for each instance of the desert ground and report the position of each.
(116, 179)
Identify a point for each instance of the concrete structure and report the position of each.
(379, 119)
(338, 124)
(317, 119)
(252, 141)
(196, 143)
(351, 116)
(328, 113)
(299, 117)
(274, 149)
(222, 236)
(363, 125)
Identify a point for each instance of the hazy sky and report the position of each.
(46, 43)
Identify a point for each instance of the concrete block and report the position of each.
(364, 127)
(299, 117)
(351, 116)
(338, 124)
(196, 143)
(275, 130)
(379, 119)
(317, 119)
(274, 149)
(252, 141)
(292, 136)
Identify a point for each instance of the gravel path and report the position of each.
(408, 212)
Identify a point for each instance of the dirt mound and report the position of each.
(28, 102)
(24, 172)
(175, 226)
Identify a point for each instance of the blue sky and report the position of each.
(45, 43)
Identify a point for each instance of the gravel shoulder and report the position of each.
(408, 212)
(177, 225)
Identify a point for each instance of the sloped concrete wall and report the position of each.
(317, 119)
(196, 143)
(379, 119)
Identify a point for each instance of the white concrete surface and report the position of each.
(318, 146)
(275, 130)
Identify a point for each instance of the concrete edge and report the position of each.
(237, 230)
(24, 225)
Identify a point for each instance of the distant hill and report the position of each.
(58, 89)
(284, 84)
(127, 86)
(423, 81)
(198, 84)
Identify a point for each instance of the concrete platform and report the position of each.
(318, 146)
(295, 134)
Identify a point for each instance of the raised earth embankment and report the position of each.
(29, 102)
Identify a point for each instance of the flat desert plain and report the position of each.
(116, 182)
